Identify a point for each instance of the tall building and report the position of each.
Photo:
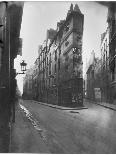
(93, 80)
(90, 82)
(59, 72)
(10, 24)
(64, 73)
(112, 48)
(27, 84)
(105, 71)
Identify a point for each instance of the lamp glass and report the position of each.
(23, 66)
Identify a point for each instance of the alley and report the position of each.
(89, 130)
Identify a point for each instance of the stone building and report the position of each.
(93, 76)
(112, 49)
(28, 84)
(108, 61)
(105, 71)
(59, 64)
(90, 82)
(10, 24)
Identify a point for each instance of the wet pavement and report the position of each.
(91, 130)
(26, 133)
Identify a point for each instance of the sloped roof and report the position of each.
(76, 8)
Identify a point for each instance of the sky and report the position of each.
(39, 16)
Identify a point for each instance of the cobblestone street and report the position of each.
(90, 130)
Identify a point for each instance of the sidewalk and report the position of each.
(24, 137)
(104, 104)
(61, 107)
(107, 105)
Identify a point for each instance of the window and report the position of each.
(106, 54)
(50, 57)
(43, 65)
(47, 60)
(50, 69)
(58, 64)
(59, 51)
(106, 44)
(42, 56)
(66, 43)
(104, 47)
(104, 58)
(78, 38)
(39, 68)
(55, 55)
(67, 27)
(55, 68)
(74, 50)
(39, 61)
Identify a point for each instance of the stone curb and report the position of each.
(106, 106)
(61, 108)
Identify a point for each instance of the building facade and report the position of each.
(105, 70)
(59, 77)
(94, 78)
(90, 82)
(28, 85)
(108, 58)
(10, 23)
(112, 49)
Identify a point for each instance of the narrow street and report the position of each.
(55, 56)
(89, 130)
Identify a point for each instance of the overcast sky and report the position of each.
(40, 16)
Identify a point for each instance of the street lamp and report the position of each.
(23, 67)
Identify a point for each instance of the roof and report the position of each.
(71, 12)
